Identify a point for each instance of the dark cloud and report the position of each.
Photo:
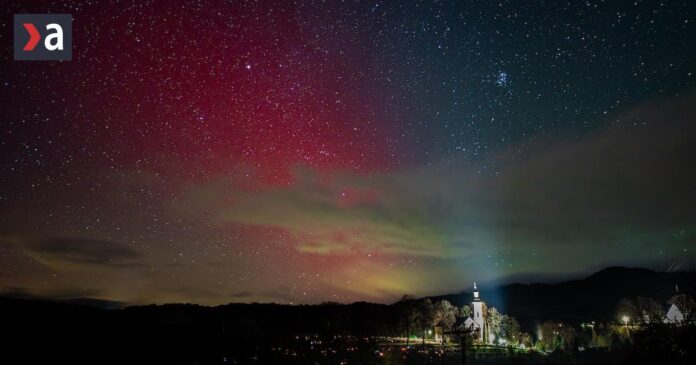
(74, 252)
(82, 297)
(52, 294)
(242, 294)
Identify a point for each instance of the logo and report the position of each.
(42, 37)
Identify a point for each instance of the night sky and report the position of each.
(302, 152)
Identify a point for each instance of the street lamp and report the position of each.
(625, 321)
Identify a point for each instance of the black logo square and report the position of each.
(43, 37)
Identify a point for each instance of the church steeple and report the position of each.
(477, 315)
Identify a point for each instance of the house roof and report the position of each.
(460, 321)
(469, 322)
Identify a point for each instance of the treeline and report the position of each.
(642, 310)
(637, 320)
(408, 317)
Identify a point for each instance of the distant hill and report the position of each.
(592, 298)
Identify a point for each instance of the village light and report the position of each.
(625, 320)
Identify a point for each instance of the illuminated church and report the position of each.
(476, 321)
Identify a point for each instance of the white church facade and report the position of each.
(476, 322)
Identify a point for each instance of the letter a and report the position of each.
(58, 36)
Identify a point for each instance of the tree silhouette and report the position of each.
(465, 311)
(444, 314)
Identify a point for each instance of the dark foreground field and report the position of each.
(37, 332)
(310, 350)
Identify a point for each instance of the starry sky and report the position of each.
(311, 151)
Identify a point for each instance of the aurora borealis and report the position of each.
(302, 152)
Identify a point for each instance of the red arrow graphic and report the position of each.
(34, 36)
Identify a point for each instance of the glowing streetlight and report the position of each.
(625, 320)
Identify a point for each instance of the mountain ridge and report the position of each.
(594, 297)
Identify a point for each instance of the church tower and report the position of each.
(477, 314)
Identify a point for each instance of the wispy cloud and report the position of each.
(625, 187)
(73, 252)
